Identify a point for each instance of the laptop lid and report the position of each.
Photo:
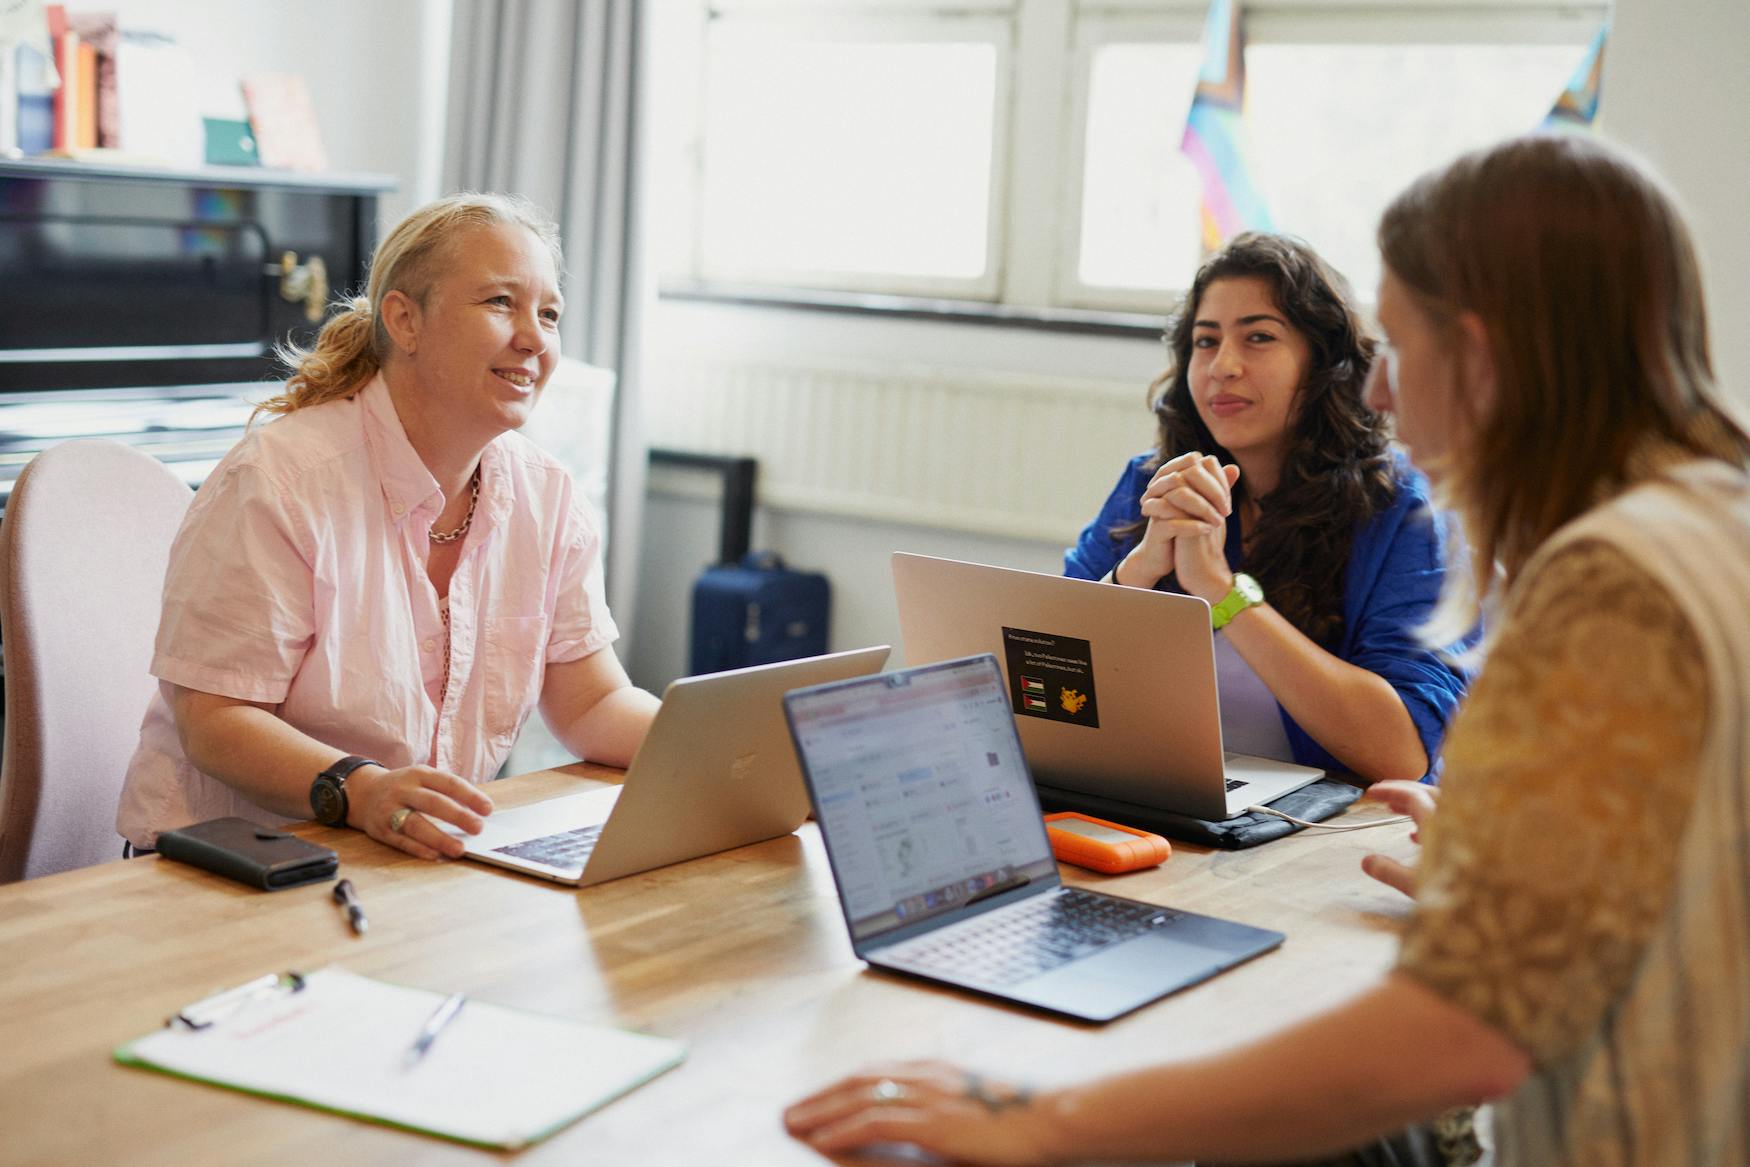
(1112, 688)
(716, 771)
(922, 795)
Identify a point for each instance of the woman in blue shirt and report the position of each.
(1272, 493)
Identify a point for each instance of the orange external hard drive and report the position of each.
(1103, 846)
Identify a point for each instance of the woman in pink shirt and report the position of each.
(371, 594)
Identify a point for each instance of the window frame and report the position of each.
(1042, 92)
(1095, 26)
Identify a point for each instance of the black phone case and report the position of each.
(249, 853)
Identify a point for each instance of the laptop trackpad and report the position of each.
(1124, 977)
(541, 818)
(1187, 949)
(1156, 960)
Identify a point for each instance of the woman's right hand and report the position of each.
(1150, 561)
(430, 794)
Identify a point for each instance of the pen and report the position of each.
(355, 911)
(434, 1025)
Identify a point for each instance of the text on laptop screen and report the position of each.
(922, 792)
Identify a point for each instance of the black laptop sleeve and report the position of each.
(1314, 803)
(249, 853)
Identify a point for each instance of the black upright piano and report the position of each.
(145, 305)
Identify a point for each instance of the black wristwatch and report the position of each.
(328, 792)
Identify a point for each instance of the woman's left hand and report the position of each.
(1416, 799)
(1202, 565)
(941, 1108)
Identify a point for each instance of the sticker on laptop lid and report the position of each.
(1051, 677)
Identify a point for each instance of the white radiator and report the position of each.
(1028, 457)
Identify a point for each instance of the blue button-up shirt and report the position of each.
(1396, 567)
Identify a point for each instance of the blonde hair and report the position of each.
(353, 344)
(1577, 261)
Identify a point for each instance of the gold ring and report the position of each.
(398, 820)
(887, 1091)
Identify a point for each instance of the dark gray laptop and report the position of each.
(943, 867)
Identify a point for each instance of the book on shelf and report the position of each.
(35, 110)
(284, 121)
(158, 112)
(84, 121)
(29, 77)
(99, 113)
(66, 84)
(23, 41)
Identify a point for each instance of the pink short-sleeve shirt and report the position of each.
(298, 579)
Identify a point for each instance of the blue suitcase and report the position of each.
(756, 611)
(749, 609)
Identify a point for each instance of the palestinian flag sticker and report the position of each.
(1051, 676)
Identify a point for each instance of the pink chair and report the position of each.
(83, 547)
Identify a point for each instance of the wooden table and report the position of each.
(743, 955)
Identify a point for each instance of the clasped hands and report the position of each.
(1187, 504)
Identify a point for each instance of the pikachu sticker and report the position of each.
(1050, 677)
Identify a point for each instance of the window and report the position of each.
(1384, 115)
(1138, 225)
(859, 153)
(1026, 152)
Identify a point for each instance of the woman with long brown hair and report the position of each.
(1272, 493)
(1580, 945)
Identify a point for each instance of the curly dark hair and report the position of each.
(1338, 470)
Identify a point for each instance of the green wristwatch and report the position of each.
(1243, 595)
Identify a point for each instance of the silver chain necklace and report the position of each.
(468, 519)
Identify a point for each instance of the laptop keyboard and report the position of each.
(1234, 783)
(565, 849)
(1031, 937)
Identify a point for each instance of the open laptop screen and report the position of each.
(921, 790)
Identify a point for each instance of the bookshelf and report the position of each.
(144, 304)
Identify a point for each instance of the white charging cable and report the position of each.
(1270, 810)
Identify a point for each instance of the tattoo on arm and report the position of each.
(998, 1099)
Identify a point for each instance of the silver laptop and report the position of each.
(1113, 688)
(942, 863)
(716, 771)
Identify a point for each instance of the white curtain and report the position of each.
(544, 102)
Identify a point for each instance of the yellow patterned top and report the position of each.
(1569, 779)
(1585, 885)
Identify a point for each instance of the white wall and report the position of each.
(680, 528)
(1677, 90)
(367, 66)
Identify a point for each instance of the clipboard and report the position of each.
(331, 1040)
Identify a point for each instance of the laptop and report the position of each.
(943, 868)
(1113, 688)
(716, 771)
